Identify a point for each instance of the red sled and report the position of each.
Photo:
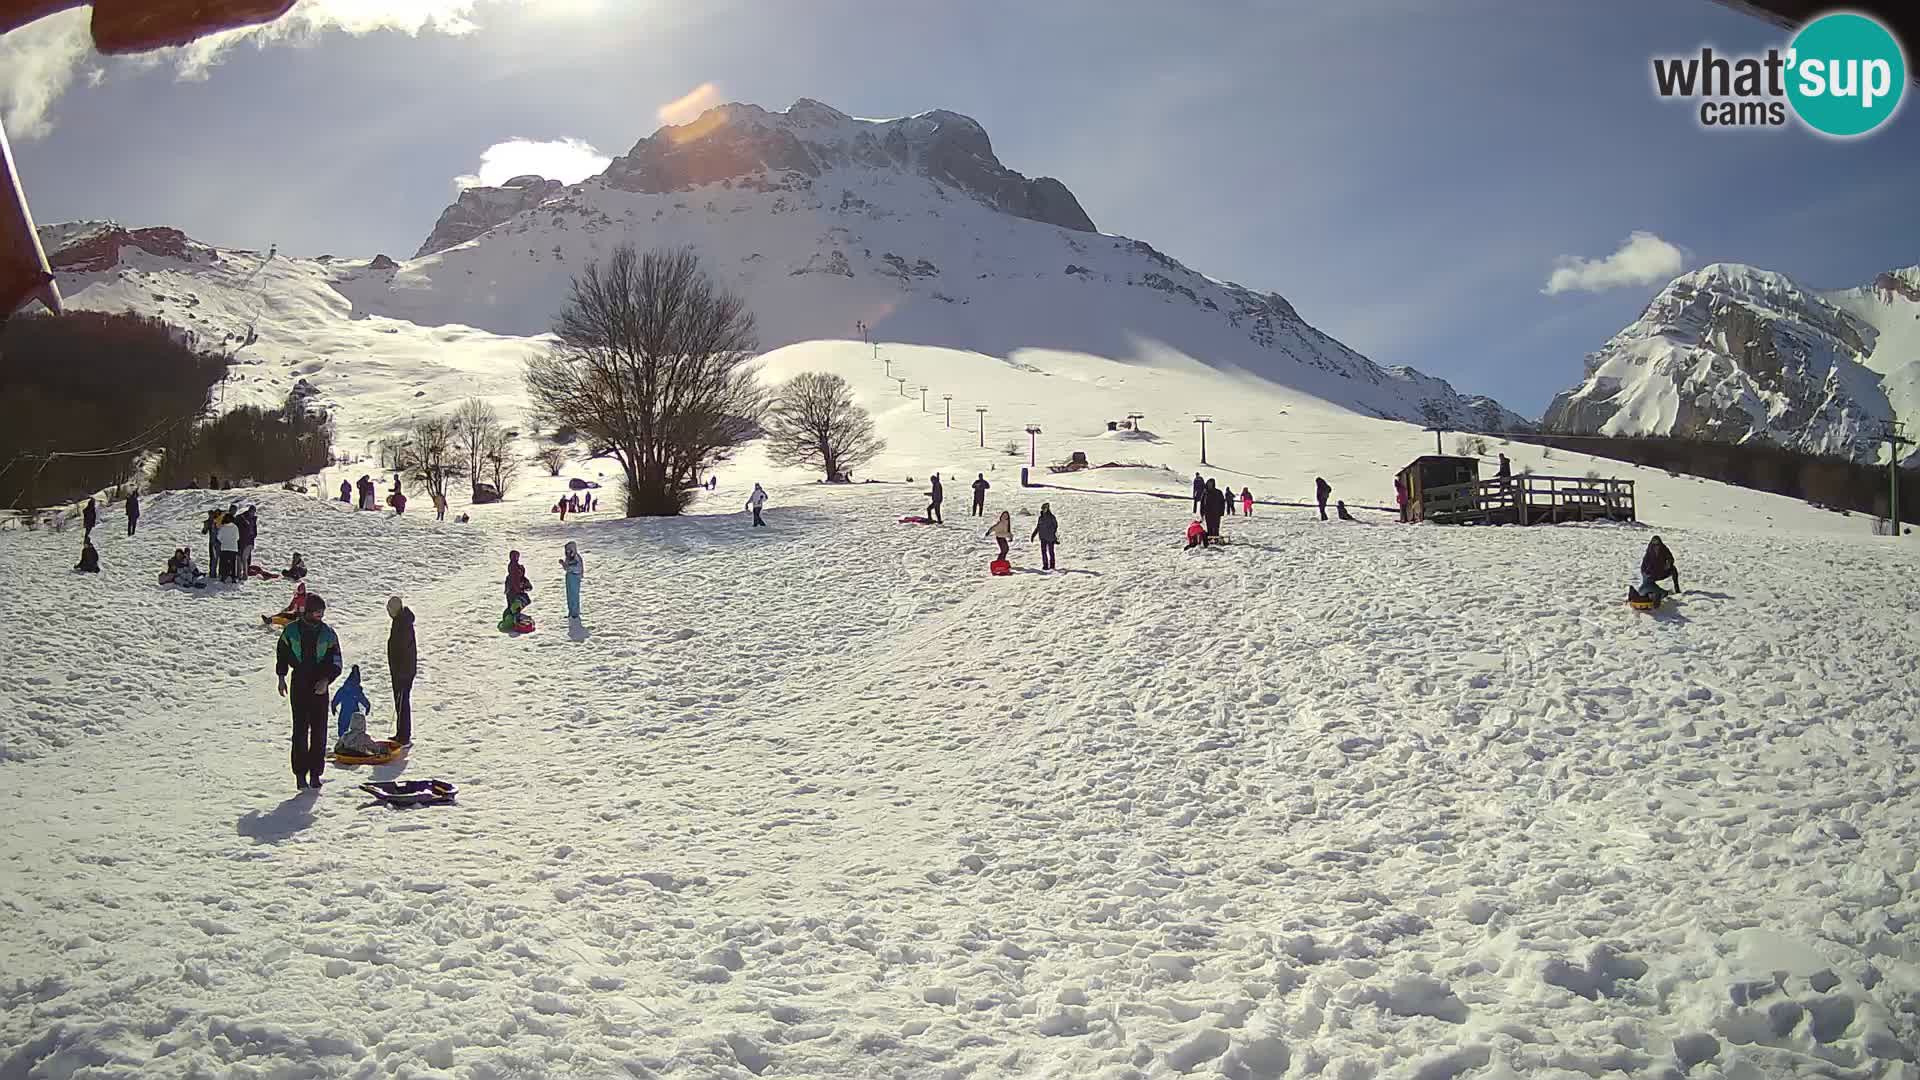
(910, 519)
(1000, 568)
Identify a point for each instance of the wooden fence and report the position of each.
(1529, 500)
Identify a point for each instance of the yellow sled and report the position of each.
(391, 751)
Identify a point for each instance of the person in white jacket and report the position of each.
(755, 501)
(576, 571)
(229, 535)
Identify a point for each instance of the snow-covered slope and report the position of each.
(824, 221)
(1339, 800)
(1733, 352)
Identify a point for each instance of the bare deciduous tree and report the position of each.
(652, 363)
(553, 457)
(476, 436)
(428, 454)
(497, 452)
(814, 422)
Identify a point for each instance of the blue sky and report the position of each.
(1407, 173)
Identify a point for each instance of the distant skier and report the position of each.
(1212, 504)
(934, 498)
(133, 511)
(1047, 531)
(350, 699)
(310, 651)
(1321, 492)
(89, 557)
(1656, 566)
(1002, 531)
(1199, 491)
(1246, 501)
(980, 487)
(403, 663)
(90, 516)
(755, 501)
(576, 570)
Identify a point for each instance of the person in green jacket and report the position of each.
(309, 651)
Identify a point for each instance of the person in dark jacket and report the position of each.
(1321, 492)
(346, 492)
(403, 663)
(1506, 468)
(935, 497)
(1212, 504)
(249, 522)
(1227, 498)
(89, 557)
(133, 510)
(1340, 511)
(1047, 531)
(310, 652)
(980, 487)
(1199, 491)
(296, 570)
(90, 515)
(1657, 566)
(211, 527)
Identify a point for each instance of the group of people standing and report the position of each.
(307, 661)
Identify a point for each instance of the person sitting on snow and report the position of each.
(293, 609)
(297, 571)
(1340, 508)
(182, 572)
(89, 557)
(350, 701)
(1656, 566)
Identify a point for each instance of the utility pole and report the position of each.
(887, 360)
(982, 410)
(1893, 433)
(923, 396)
(948, 398)
(1134, 418)
(902, 380)
(1436, 429)
(1033, 445)
(1203, 421)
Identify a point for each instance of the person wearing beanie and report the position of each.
(403, 663)
(310, 652)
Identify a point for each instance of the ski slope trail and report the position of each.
(825, 799)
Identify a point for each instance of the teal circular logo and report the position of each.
(1845, 74)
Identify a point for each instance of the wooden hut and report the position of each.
(1448, 490)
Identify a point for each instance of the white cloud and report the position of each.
(40, 61)
(37, 64)
(567, 160)
(1644, 259)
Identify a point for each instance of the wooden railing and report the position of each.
(1529, 500)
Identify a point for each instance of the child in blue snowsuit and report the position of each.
(350, 699)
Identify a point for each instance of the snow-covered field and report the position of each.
(825, 800)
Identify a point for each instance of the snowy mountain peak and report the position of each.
(745, 144)
(481, 208)
(1736, 352)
